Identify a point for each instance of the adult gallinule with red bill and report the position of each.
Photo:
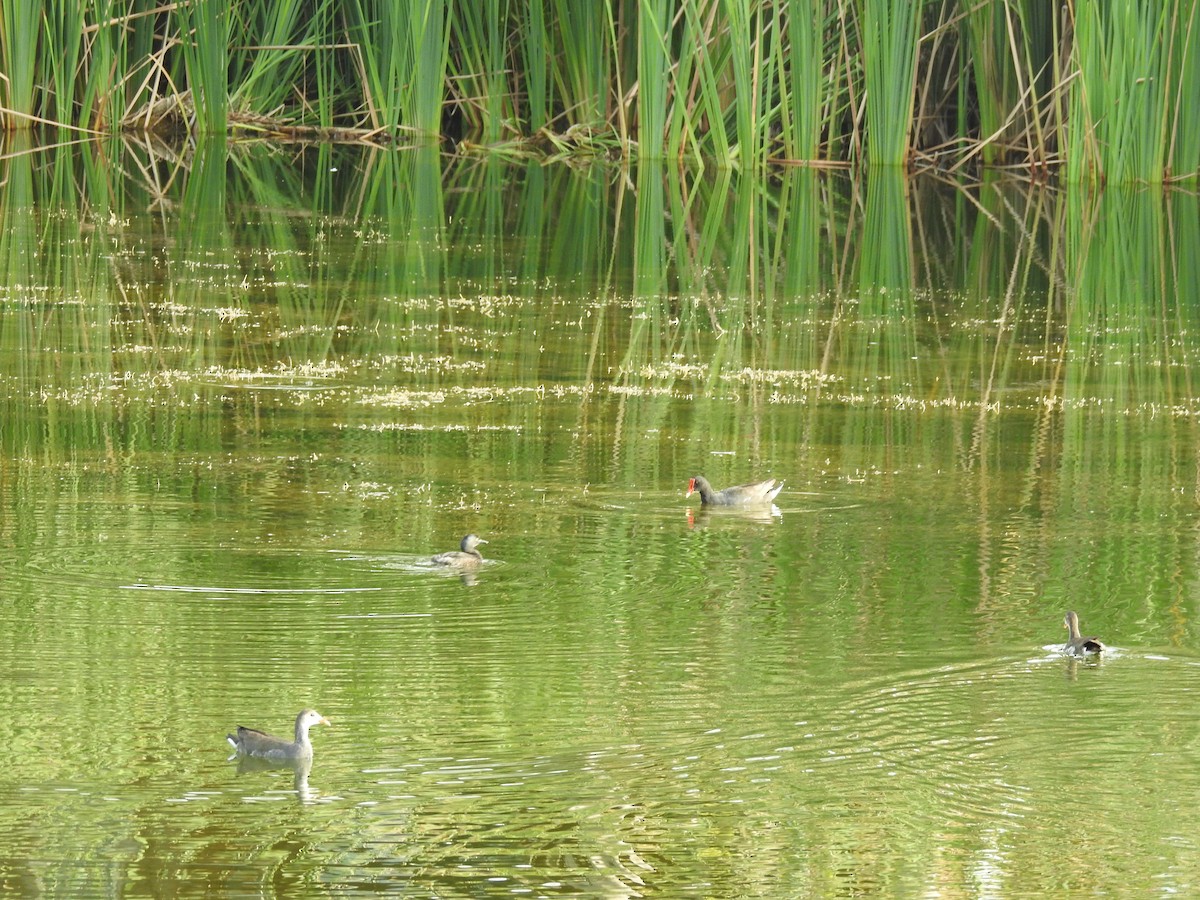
(252, 742)
(759, 494)
(1075, 644)
(466, 558)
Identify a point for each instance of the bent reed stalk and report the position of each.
(1100, 92)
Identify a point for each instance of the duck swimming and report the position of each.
(465, 558)
(252, 742)
(758, 494)
(1076, 645)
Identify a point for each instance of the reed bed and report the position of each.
(1102, 91)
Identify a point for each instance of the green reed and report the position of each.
(203, 31)
(998, 80)
(1103, 89)
(741, 44)
(270, 51)
(654, 74)
(1131, 112)
(478, 75)
(66, 33)
(802, 75)
(890, 31)
(425, 46)
(701, 109)
(101, 99)
(132, 78)
(1183, 157)
(584, 70)
(20, 22)
(536, 68)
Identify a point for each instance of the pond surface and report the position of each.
(248, 393)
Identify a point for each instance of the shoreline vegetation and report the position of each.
(1088, 92)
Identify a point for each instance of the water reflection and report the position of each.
(1074, 664)
(300, 769)
(231, 444)
(706, 516)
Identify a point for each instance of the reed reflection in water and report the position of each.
(232, 443)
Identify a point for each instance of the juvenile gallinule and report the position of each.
(466, 558)
(1075, 644)
(758, 494)
(252, 742)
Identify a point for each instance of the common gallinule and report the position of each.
(758, 494)
(466, 558)
(253, 742)
(1075, 644)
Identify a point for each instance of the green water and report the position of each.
(248, 393)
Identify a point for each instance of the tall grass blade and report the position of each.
(20, 24)
(273, 43)
(804, 65)
(743, 75)
(479, 67)
(1121, 103)
(401, 49)
(890, 38)
(204, 38)
(582, 72)
(536, 65)
(1183, 158)
(654, 75)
